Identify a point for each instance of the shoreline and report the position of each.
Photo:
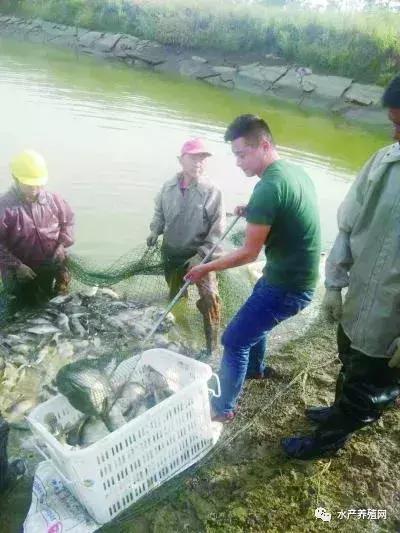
(266, 76)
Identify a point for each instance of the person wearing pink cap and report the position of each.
(189, 214)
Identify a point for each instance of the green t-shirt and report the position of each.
(285, 199)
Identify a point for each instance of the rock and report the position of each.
(307, 86)
(125, 45)
(288, 86)
(292, 86)
(107, 42)
(88, 39)
(364, 95)
(258, 78)
(194, 69)
(48, 28)
(63, 36)
(171, 65)
(327, 89)
(199, 59)
(249, 66)
(151, 53)
(226, 73)
(141, 64)
(219, 82)
(248, 83)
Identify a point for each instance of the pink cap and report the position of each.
(194, 146)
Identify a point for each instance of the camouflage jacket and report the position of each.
(366, 255)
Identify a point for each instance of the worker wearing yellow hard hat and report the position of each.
(29, 168)
(36, 226)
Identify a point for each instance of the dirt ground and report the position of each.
(247, 484)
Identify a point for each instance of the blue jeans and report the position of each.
(245, 338)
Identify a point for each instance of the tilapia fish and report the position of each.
(85, 432)
(156, 384)
(89, 390)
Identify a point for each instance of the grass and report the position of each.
(249, 485)
(362, 46)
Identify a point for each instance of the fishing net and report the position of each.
(106, 316)
(138, 276)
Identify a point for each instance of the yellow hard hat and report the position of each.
(29, 168)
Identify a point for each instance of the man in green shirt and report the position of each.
(282, 215)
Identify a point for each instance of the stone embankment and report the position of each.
(267, 75)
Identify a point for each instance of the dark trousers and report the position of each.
(365, 387)
(51, 279)
(209, 304)
(245, 338)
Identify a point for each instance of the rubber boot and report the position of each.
(321, 444)
(267, 373)
(319, 414)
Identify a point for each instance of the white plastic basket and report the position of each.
(111, 474)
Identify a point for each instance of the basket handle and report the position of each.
(216, 394)
(44, 454)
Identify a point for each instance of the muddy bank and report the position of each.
(260, 74)
(249, 485)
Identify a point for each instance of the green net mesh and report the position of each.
(138, 276)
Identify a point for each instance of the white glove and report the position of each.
(332, 304)
(394, 351)
(152, 239)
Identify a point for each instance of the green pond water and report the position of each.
(111, 135)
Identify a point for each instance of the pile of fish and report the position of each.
(106, 405)
(81, 325)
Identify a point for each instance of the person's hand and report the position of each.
(24, 273)
(240, 210)
(394, 351)
(59, 255)
(152, 239)
(332, 305)
(196, 273)
(193, 261)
